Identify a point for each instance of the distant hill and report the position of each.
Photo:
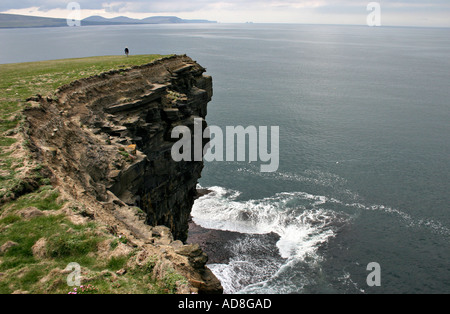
(99, 20)
(23, 21)
(14, 20)
(148, 20)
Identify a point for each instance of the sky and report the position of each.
(434, 13)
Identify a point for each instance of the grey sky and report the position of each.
(394, 12)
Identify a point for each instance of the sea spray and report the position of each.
(296, 217)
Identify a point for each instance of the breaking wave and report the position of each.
(303, 222)
(298, 218)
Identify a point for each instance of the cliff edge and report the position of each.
(106, 142)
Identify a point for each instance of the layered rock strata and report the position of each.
(107, 142)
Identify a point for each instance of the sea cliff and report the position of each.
(105, 142)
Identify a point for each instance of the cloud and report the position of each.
(290, 11)
(132, 6)
(193, 5)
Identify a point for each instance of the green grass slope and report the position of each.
(35, 250)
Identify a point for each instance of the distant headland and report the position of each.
(24, 21)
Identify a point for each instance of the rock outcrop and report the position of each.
(107, 141)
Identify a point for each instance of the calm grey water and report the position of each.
(364, 146)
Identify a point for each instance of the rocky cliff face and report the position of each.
(107, 141)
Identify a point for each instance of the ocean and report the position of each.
(363, 114)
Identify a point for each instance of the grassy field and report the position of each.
(23, 80)
(20, 269)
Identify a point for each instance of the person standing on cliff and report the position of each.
(127, 51)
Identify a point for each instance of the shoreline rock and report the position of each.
(202, 192)
(216, 243)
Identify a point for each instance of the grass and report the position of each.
(116, 263)
(20, 81)
(170, 281)
(66, 242)
(44, 199)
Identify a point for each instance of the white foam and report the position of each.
(300, 229)
(303, 221)
(337, 183)
(297, 217)
(346, 280)
(253, 262)
(315, 177)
